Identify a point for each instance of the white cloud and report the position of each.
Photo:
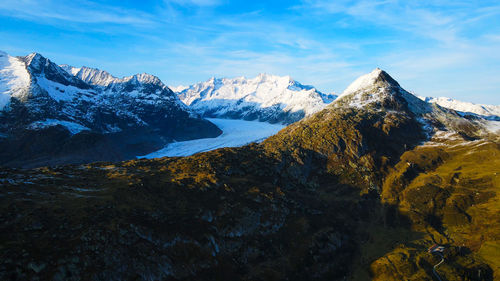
(76, 12)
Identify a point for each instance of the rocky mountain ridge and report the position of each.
(266, 97)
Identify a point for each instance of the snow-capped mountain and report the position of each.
(123, 117)
(265, 98)
(487, 111)
(377, 91)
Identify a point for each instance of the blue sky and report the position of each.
(433, 48)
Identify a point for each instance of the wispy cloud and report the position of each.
(420, 18)
(77, 12)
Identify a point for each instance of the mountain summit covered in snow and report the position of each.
(266, 97)
(52, 115)
(378, 89)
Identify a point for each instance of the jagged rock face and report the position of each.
(40, 67)
(349, 193)
(133, 115)
(265, 98)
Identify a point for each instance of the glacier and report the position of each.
(235, 133)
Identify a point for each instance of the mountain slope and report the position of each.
(374, 121)
(49, 116)
(265, 98)
(357, 191)
(381, 139)
(13, 79)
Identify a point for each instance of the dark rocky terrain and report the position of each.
(358, 191)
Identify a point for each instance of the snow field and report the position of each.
(235, 133)
(13, 78)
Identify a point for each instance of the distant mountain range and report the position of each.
(270, 98)
(280, 99)
(486, 111)
(49, 116)
(267, 98)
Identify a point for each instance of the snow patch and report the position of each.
(363, 82)
(14, 78)
(235, 133)
(60, 92)
(360, 101)
(73, 128)
(492, 126)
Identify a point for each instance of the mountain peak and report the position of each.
(379, 90)
(94, 76)
(146, 78)
(370, 80)
(34, 55)
(35, 60)
(43, 68)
